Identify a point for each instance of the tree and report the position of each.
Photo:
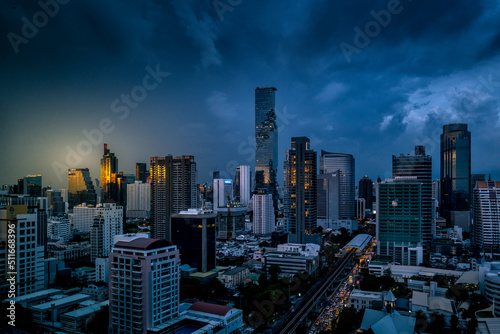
(437, 323)
(454, 324)
(264, 244)
(421, 322)
(274, 271)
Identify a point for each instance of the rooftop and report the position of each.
(210, 308)
(143, 244)
(360, 241)
(86, 310)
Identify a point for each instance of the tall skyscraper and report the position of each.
(399, 220)
(109, 172)
(80, 187)
(144, 283)
(345, 164)
(419, 165)
(193, 232)
(366, 191)
(266, 137)
(487, 216)
(263, 213)
(161, 196)
(300, 201)
(33, 185)
(242, 184)
(455, 170)
(184, 183)
(328, 187)
(141, 172)
(222, 189)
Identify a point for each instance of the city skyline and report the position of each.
(191, 71)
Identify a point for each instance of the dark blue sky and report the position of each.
(192, 67)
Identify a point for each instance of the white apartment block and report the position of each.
(144, 279)
(59, 229)
(83, 217)
(107, 224)
(138, 200)
(263, 214)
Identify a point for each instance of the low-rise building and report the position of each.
(97, 291)
(233, 277)
(76, 321)
(360, 300)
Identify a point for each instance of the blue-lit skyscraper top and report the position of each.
(266, 136)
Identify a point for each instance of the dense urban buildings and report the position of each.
(300, 201)
(419, 165)
(107, 223)
(109, 172)
(32, 185)
(222, 192)
(455, 170)
(344, 163)
(487, 216)
(143, 285)
(80, 187)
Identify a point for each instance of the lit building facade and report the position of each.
(263, 214)
(109, 172)
(161, 196)
(300, 200)
(184, 183)
(80, 187)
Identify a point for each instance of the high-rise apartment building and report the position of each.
(82, 217)
(328, 188)
(20, 223)
(345, 164)
(108, 222)
(419, 165)
(184, 183)
(80, 187)
(144, 278)
(300, 200)
(365, 187)
(455, 170)
(161, 196)
(263, 213)
(487, 216)
(109, 173)
(138, 200)
(222, 192)
(399, 220)
(242, 184)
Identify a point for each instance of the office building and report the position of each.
(455, 170)
(487, 216)
(184, 183)
(28, 264)
(161, 196)
(328, 188)
(266, 137)
(143, 285)
(300, 199)
(141, 172)
(80, 187)
(109, 172)
(59, 229)
(345, 164)
(263, 213)
(365, 187)
(56, 203)
(32, 185)
(242, 184)
(108, 222)
(222, 192)
(420, 166)
(193, 232)
(138, 199)
(399, 220)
